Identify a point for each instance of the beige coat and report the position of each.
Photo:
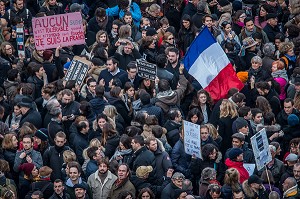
(99, 190)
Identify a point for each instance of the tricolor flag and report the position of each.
(209, 65)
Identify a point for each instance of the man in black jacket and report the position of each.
(100, 21)
(288, 109)
(53, 156)
(29, 114)
(131, 75)
(271, 29)
(98, 103)
(55, 125)
(149, 108)
(59, 190)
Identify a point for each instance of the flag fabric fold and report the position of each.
(207, 62)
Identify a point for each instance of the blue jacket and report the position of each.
(91, 168)
(180, 160)
(134, 9)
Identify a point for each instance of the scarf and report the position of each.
(120, 153)
(280, 73)
(291, 58)
(113, 34)
(249, 34)
(241, 24)
(103, 24)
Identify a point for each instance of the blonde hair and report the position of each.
(227, 108)
(153, 8)
(95, 142)
(232, 178)
(297, 101)
(213, 131)
(110, 111)
(69, 156)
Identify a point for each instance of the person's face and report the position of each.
(92, 86)
(52, 2)
(128, 19)
(66, 99)
(19, 4)
(101, 122)
(215, 195)
(297, 88)
(110, 66)
(74, 173)
(37, 140)
(134, 145)
(178, 182)
(146, 23)
(262, 12)
(102, 38)
(59, 141)
(102, 168)
(144, 34)
(8, 49)
(115, 28)
(294, 148)
(285, 185)
(132, 73)
(240, 158)
(296, 171)
(227, 28)
(147, 82)
(249, 26)
(15, 141)
(165, 26)
(172, 57)
(202, 98)
(238, 195)
(152, 45)
(277, 42)
(58, 188)
(98, 155)
(186, 24)
(80, 193)
(145, 195)
(122, 172)
(100, 19)
(179, 117)
(2, 6)
(194, 119)
(213, 155)
(170, 40)
(258, 118)
(127, 49)
(274, 67)
(255, 65)
(204, 134)
(35, 196)
(153, 145)
(288, 108)
(208, 22)
(242, 17)
(35, 172)
(261, 92)
(130, 92)
(290, 52)
(236, 143)
(27, 143)
(41, 72)
(273, 21)
(245, 130)
(17, 110)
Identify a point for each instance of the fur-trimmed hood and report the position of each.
(249, 192)
(269, 128)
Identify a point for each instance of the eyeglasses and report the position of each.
(171, 38)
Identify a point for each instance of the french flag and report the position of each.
(209, 65)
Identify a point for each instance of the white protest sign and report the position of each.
(249, 167)
(192, 141)
(260, 147)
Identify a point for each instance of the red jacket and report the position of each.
(244, 175)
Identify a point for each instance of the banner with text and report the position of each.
(78, 70)
(192, 140)
(52, 31)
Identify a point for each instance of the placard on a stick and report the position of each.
(192, 140)
(260, 147)
(78, 70)
(146, 69)
(20, 40)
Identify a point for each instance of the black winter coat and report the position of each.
(121, 107)
(225, 131)
(124, 58)
(186, 37)
(143, 157)
(111, 144)
(4, 67)
(80, 142)
(169, 191)
(172, 132)
(56, 9)
(33, 117)
(53, 128)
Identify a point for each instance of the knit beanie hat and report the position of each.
(243, 76)
(42, 134)
(293, 120)
(26, 168)
(240, 122)
(234, 152)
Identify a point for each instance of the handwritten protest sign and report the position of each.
(78, 70)
(260, 147)
(192, 141)
(52, 31)
(146, 69)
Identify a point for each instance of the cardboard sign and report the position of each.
(52, 31)
(20, 40)
(192, 140)
(146, 70)
(260, 147)
(78, 70)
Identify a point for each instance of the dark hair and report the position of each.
(123, 4)
(163, 85)
(247, 19)
(124, 194)
(161, 60)
(99, 90)
(114, 60)
(100, 12)
(207, 150)
(269, 118)
(128, 85)
(255, 111)
(90, 80)
(115, 91)
(257, 35)
(131, 65)
(132, 131)
(243, 111)
(104, 160)
(263, 85)
(143, 190)
(157, 131)
(12, 74)
(86, 108)
(81, 125)
(288, 100)
(126, 141)
(195, 111)
(173, 113)
(139, 139)
(70, 84)
(280, 36)
(91, 152)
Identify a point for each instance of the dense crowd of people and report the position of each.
(120, 135)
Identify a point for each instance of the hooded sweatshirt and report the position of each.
(244, 175)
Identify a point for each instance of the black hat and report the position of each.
(271, 15)
(42, 134)
(81, 186)
(254, 179)
(25, 102)
(223, 3)
(240, 122)
(234, 152)
(151, 32)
